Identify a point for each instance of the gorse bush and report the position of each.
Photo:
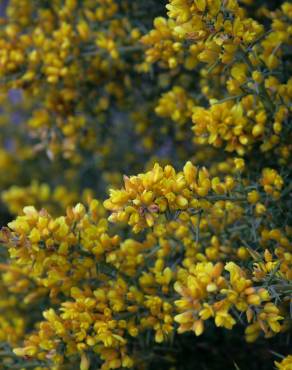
(145, 183)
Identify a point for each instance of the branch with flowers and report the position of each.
(145, 188)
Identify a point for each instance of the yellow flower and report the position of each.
(285, 364)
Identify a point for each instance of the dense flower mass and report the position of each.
(145, 185)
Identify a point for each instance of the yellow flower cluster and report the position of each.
(215, 29)
(59, 57)
(244, 60)
(41, 196)
(175, 104)
(195, 241)
(285, 364)
(116, 290)
(277, 255)
(220, 25)
(53, 241)
(272, 182)
(90, 317)
(161, 190)
(205, 293)
(60, 256)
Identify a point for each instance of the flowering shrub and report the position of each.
(145, 188)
